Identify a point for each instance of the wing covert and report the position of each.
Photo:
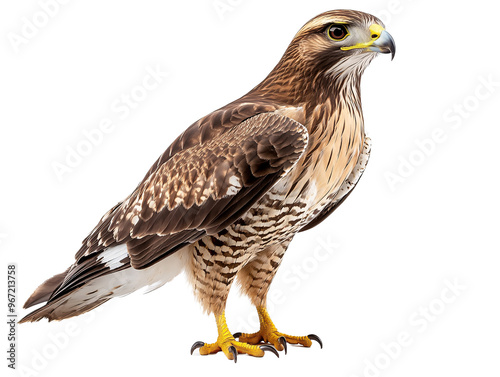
(203, 189)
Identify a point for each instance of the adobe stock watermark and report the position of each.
(453, 118)
(33, 25)
(223, 7)
(121, 108)
(418, 323)
(41, 357)
(393, 8)
(291, 280)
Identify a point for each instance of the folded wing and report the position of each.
(203, 189)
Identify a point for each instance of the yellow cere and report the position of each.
(375, 32)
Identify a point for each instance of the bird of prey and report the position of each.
(225, 200)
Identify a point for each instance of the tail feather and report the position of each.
(55, 310)
(79, 289)
(45, 290)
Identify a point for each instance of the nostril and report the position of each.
(375, 36)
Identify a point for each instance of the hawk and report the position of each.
(225, 200)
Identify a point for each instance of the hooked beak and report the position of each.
(381, 41)
(384, 44)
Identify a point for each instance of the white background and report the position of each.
(358, 280)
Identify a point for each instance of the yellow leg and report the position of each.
(228, 344)
(269, 334)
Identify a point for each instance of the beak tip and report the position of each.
(386, 44)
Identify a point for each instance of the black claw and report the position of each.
(316, 338)
(196, 345)
(237, 335)
(282, 341)
(232, 349)
(267, 347)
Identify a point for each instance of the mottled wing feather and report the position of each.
(203, 189)
(208, 127)
(212, 125)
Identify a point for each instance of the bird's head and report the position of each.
(343, 34)
(329, 49)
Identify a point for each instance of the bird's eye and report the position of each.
(338, 32)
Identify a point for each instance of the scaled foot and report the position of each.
(228, 344)
(269, 334)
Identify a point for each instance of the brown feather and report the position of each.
(45, 290)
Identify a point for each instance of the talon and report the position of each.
(316, 338)
(232, 349)
(196, 345)
(237, 335)
(267, 347)
(282, 341)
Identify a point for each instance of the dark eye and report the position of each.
(338, 32)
